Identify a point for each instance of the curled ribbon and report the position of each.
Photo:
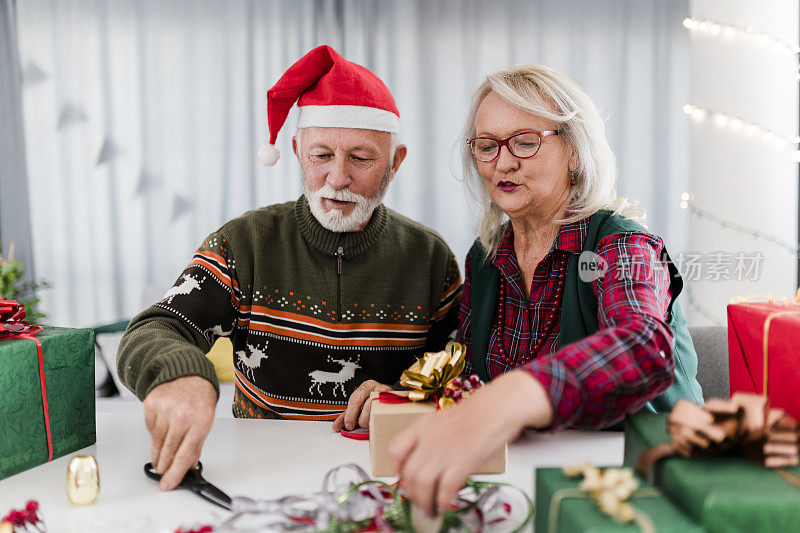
(611, 489)
(14, 326)
(350, 501)
(743, 424)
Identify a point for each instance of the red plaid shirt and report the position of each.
(594, 382)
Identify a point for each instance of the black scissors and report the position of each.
(194, 481)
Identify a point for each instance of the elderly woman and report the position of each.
(568, 306)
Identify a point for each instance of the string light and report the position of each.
(697, 306)
(748, 32)
(733, 123)
(687, 202)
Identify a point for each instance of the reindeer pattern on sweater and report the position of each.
(308, 325)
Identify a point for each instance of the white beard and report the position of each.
(334, 220)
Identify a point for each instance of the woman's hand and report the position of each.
(358, 406)
(437, 454)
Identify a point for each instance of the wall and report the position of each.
(743, 200)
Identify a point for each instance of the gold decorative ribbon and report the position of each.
(767, 323)
(434, 371)
(611, 489)
(770, 298)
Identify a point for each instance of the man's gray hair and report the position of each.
(553, 96)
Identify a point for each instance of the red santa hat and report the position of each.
(330, 92)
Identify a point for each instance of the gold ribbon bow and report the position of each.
(611, 489)
(434, 371)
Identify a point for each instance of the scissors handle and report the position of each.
(194, 481)
(150, 472)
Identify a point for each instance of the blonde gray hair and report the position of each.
(552, 96)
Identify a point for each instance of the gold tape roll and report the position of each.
(83, 480)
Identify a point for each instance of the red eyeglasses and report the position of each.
(523, 145)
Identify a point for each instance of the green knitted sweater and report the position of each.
(311, 313)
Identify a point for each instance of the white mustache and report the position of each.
(342, 195)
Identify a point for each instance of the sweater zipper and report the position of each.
(339, 257)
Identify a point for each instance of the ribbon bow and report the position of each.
(743, 424)
(611, 489)
(12, 320)
(432, 372)
(14, 326)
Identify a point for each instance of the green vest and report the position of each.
(579, 310)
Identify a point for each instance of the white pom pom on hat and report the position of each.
(268, 154)
(330, 92)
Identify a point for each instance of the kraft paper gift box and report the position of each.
(68, 356)
(582, 514)
(726, 493)
(387, 420)
(764, 336)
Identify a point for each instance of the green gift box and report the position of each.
(727, 493)
(68, 356)
(583, 515)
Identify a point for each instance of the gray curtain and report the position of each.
(142, 133)
(15, 225)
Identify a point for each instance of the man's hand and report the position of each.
(439, 451)
(357, 412)
(178, 415)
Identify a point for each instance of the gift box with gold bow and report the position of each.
(604, 501)
(434, 383)
(727, 466)
(47, 404)
(762, 349)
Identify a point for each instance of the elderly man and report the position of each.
(319, 297)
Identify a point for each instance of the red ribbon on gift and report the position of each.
(390, 397)
(14, 326)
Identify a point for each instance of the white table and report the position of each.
(255, 458)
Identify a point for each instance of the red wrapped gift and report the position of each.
(763, 353)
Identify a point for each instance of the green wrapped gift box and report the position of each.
(69, 375)
(727, 493)
(583, 515)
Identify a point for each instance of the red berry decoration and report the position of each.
(466, 386)
(202, 529)
(23, 517)
(457, 395)
(475, 380)
(448, 393)
(457, 381)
